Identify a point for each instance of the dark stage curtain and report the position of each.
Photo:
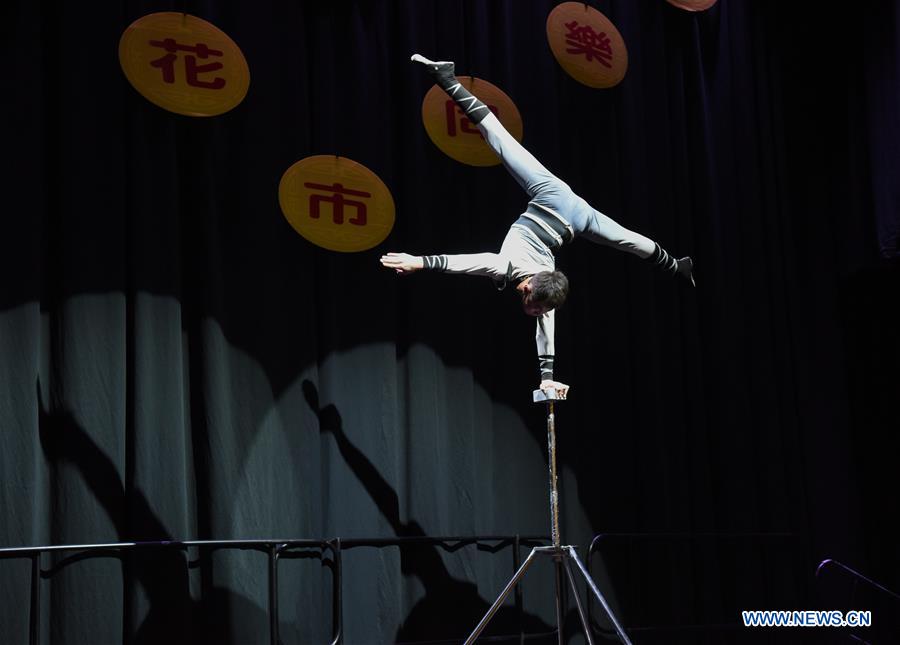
(177, 363)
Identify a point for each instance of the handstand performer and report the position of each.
(554, 216)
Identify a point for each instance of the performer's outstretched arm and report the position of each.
(486, 264)
(493, 266)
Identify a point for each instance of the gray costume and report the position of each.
(555, 215)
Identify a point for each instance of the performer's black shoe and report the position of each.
(444, 75)
(438, 68)
(682, 266)
(686, 268)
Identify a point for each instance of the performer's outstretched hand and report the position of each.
(402, 262)
(561, 388)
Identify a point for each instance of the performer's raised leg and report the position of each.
(530, 174)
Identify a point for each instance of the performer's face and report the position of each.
(533, 308)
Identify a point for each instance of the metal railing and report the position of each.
(859, 592)
(600, 539)
(857, 577)
(274, 550)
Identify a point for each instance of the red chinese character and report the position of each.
(451, 110)
(192, 69)
(584, 40)
(338, 202)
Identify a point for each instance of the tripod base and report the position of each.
(563, 554)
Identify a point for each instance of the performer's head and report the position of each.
(543, 291)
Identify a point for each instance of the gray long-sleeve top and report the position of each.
(521, 255)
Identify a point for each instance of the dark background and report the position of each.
(178, 363)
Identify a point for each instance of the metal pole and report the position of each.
(493, 610)
(558, 552)
(520, 620)
(590, 582)
(554, 515)
(34, 635)
(584, 622)
(554, 493)
(557, 566)
(337, 611)
(273, 594)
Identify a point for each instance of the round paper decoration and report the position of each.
(336, 203)
(458, 137)
(692, 5)
(184, 64)
(587, 45)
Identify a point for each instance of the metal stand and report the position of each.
(561, 555)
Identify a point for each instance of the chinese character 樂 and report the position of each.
(584, 40)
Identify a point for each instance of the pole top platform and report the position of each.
(547, 395)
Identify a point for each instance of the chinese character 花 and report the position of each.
(192, 70)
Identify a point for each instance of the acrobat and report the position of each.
(555, 216)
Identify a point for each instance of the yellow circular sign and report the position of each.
(693, 5)
(587, 45)
(184, 64)
(336, 203)
(455, 135)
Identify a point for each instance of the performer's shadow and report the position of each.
(174, 616)
(451, 608)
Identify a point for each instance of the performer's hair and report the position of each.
(549, 288)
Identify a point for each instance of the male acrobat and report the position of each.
(554, 216)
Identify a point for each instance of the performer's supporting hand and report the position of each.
(561, 388)
(402, 262)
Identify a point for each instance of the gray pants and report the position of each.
(548, 191)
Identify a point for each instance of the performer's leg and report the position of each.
(521, 164)
(541, 185)
(601, 229)
(604, 230)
